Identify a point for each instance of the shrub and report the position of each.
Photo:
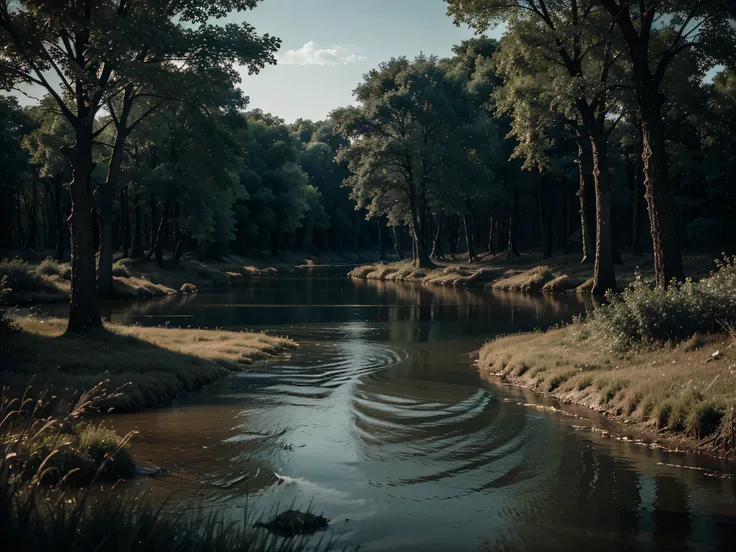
(49, 267)
(643, 314)
(20, 277)
(120, 269)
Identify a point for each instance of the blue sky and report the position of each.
(327, 46)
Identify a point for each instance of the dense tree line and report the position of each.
(587, 123)
(142, 122)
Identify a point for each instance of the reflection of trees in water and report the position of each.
(623, 499)
(543, 307)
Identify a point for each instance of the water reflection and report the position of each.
(380, 419)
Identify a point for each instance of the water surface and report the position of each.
(380, 421)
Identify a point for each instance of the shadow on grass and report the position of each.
(145, 367)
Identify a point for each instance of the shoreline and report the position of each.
(529, 273)
(40, 280)
(142, 367)
(667, 395)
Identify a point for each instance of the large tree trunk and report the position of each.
(421, 258)
(666, 254)
(587, 182)
(604, 277)
(84, 313)
(105, 199)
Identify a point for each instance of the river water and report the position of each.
(380, 421)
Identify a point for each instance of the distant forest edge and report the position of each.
(589, 127)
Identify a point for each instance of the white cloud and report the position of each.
(313, 54)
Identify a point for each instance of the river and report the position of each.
(380, 421)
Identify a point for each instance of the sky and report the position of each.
(328, 45)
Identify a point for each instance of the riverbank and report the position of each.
(683, 395)
(141, 366)
(34, 278)
(528, 273)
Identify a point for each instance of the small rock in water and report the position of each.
(150, 471)
(188, 288)
(292, 522)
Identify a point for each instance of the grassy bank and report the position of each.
(663, 362)
(37, 519)
(32, 278)
(142, 366)
(529, 273)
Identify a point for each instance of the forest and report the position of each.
(584, 128)
(540, 313)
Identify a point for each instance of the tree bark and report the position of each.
(436, 244)
(84, 313)
(587, 224)
(468, 238)
(604, 277)
(396, 244)
(666, 254)
(421, 259)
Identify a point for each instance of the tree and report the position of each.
(14, 168)
(403, 136)
(86, 53)
(655, 33)
(575, 46)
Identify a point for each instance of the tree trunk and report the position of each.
(179, 248)
(421, 259)
(490, 231)
(157, 242)
(153, 222)
(127, 239)
(512, 249)
(105, 197)
(451, 236)
(544, 217)
(163, 226)
(436, 245)
(84, 313)
(468, 236)
(666, 254)
(604, 277)
(396, 244)
(587, 224)
(381, 251)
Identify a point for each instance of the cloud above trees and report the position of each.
(314, 54)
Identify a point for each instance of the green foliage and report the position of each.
(645, 315)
